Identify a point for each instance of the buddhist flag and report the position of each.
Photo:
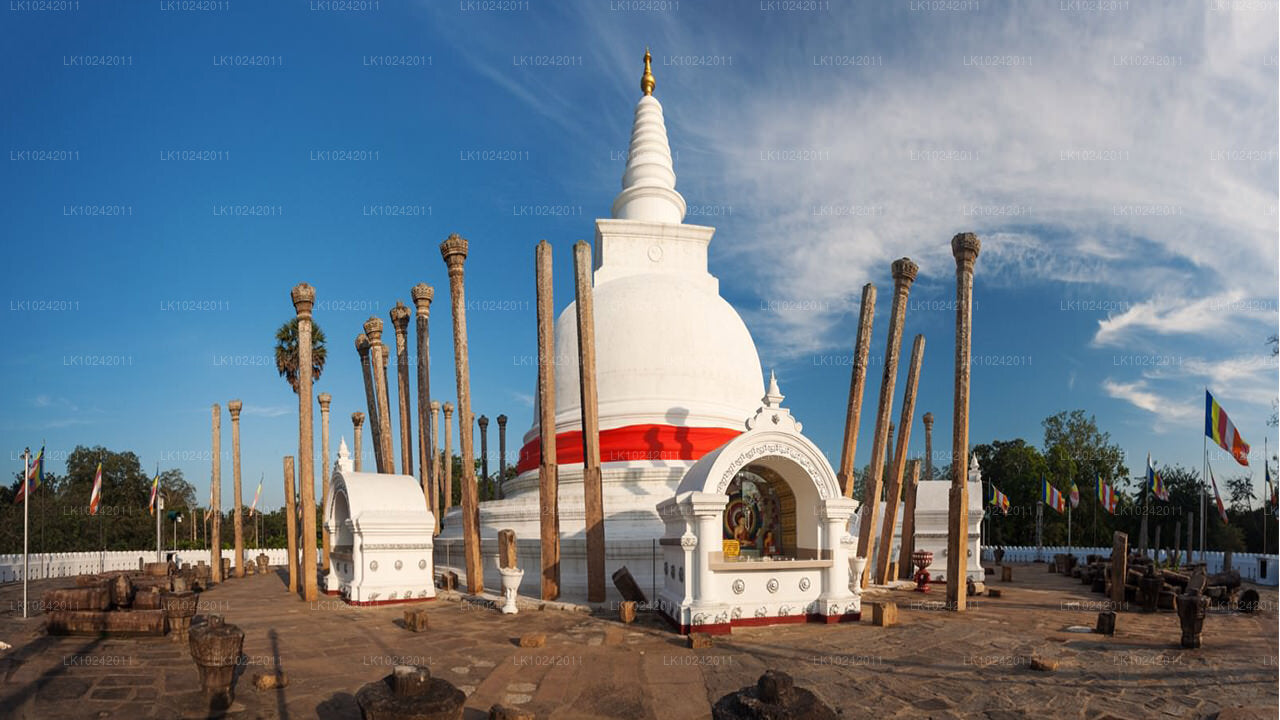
(1052, 497)
(155, 486)
(253, 508)
(1271, 488)
(96, 496)
(1218, 428)
(1222, 511)
(1155, 483)
(1000, 500)
(1075, 495)
(1107, 496)
(35, 476)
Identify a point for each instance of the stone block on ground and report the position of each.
(271, 680)
(1043, 664)
(101, 622)
(1107, 622)
(506, 712)
(149, 599)
(627, 611)
(774, 696)
(884, 613)
(449, 580)
(1006, 573)
(156, 569)
(533, 640)
(410, 692)
(627, 585)
(700, 640)
(416, 620)
(97, 597)
(993, 593)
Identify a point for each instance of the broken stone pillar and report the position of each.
(179, 608)
(291, 524)
(507, 548)
(364, 347)
(325, 399)
(357, 427)
(1192, 607)
(448, 456)
(857, 383)
(237, 522)
(592, 481)
(216, 646)
(422, 296)
(774, 696)
(548, 477)
(304, 297)
(894, 489)
(400, 322)
(454, 252)
(965, 247)
(1119, 567)
(215, 529)
(909, 521)
(904, 273)
(410, 692)
(511, 574)
(378, 359)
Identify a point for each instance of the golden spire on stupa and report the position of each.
(647, 83)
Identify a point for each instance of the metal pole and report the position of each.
(1204, 489)
(26, 504)
(159, 509)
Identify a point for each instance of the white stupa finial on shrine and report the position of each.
(344, 456)
(773, 396)
(649, 182)
(975, 474)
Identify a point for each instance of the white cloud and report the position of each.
(1169, 412)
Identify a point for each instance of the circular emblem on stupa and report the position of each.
(373, 565)
(399, 564)
(739, 586)
(655, 253)
(804, 583)
(422, 564)
(772, 585)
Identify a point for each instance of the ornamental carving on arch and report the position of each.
(767, 449)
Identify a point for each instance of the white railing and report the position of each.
(1254, 567)
(55, 565)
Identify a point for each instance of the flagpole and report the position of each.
(26, 512)
(1204, 490)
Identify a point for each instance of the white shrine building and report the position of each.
(699, 461)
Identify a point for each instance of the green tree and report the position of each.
(287, 352)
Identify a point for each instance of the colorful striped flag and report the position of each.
(1222, 511)
(1271, 488)
(1107, 496)
(1075, 495)
(96, 496)
(1052, 497)
(1218, 428)
(155, 486)
(253, 508)
(35, 476)
(1000, 500)
(1155, 483)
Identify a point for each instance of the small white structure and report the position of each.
(381, 532)
(756, 533)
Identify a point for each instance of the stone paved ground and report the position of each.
(933, 665)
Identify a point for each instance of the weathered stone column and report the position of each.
(928, 445)
(304, 297)
(422, 296)
(448, 456)
(454, 252)
(373, 331)
(502, 454)
(894, 488)
(291, 522)
(357, 427)
(400, 321)
(384, 407)
(483, 422)
(904, 273)
(436, 475)
(325, 399)
(237, 522)
(909, 521)
(215, 530)
(364, 347)
(548, 476)
(592, 482)
(965, 247)
(857, 383)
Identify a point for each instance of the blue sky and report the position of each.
(1119, 163)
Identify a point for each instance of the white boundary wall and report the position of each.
(55, 565)
(1254, 567)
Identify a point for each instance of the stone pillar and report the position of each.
(436, 475)
(904, 273)
(965, 247)
(448, 456)
(909, 521)
(592, 481)
(325, 399)
(423, 294)
(1177, 541)
(502, 453)
(548, 476)
(400, 321)
(237, 522)
(454, 252)
(894, 488)
(857, 383)
(384, 407)
(371, 399)
(215, 529)
(708, 512)
(373, 330)
(304, 297)
(291, 523)
(1119, 567)
(357, 426)
(483, 422)
(834, 514)
(928, 445)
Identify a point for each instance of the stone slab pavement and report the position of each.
(933, 664)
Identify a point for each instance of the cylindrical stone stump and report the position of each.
(156, 569)
(215, 646)
(1151, 585)
(179, 608)
(410, 692)
(226, 567)
(1006, 573)
(1107, 622)
(122, 591)
(264, 564)
(1191, 611)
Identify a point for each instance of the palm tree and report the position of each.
(287, 352)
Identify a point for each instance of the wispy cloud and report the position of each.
(268, 410)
